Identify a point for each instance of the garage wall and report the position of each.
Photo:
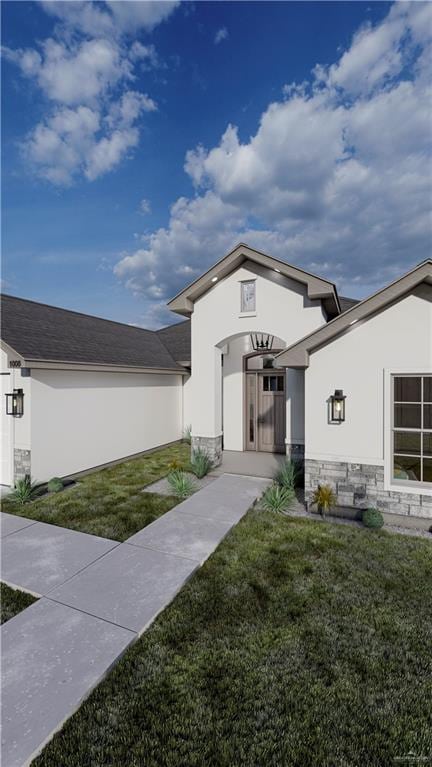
(83, 419)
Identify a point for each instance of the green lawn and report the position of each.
(109, 502)
(12, 602)
(299, 643)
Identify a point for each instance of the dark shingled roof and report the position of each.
(40, 332)
(347, 303)
(177, 339)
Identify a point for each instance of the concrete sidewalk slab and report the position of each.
(39, 557)
(226, 499)
(182, 534)
(10, 523)
(128, 587)
(52, 657)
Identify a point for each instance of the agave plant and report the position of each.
(287, 474)
(24, 490)
(187, 434)
(277, 498)
(181, 484)
(324, 498)
(201, 463)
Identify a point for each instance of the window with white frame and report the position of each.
(412, 429)
(248, 297)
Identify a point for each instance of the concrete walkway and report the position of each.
(97, 597)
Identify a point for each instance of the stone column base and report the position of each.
(211, 445)
(22, 464)
(295, 451)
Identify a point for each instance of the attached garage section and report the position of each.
(95, 391)
(85, 419)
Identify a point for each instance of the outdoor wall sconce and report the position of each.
(261, 342)
(15, 403)
(337, 406)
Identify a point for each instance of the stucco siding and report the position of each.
(84, 419)
(282, 309)
(398, 339)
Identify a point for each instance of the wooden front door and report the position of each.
(265, 411)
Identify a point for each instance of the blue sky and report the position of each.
(141, 141)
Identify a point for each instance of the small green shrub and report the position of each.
(187, 434)
(372, 518)
(55, 485)
(324, 498)
(201, 463)
(24, 491)
(288, 474)
(181, 484)
(277, 498)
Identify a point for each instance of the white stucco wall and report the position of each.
(361, 362)
(187, 413)
(83, 419)
(282, 309)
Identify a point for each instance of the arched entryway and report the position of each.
(253, 401)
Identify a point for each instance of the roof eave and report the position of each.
(293, 355)
(317, 288)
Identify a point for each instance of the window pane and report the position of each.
(427, 389)
(427, 443)
(248, 296)
(427, 416)
(407, 416)
(266, 383)
(407, 442)
(273, 383)
(406, 468)
(407, 389)
(280, 383)
(427, 470)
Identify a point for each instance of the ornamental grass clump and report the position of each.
(181, 484)
(277, 498)
(201, 463)
(372, 518)
(24, 491)
(324, 498)
(187, 434)
(288, 474)
(55, 485)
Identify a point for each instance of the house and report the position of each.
(268, 360)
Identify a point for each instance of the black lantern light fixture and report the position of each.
(261, 342)
(15, 403)
(337, 406)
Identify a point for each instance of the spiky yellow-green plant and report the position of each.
(325, 498)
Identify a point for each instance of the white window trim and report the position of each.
(253, 312)
(389, 483)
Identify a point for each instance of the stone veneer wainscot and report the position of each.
(360, 486)
(22, 463)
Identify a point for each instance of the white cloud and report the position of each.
(336, 178)
(82, 141)
(145, 206)
(76, 74)
(221, 34)
(85, 69)
(110, 18)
